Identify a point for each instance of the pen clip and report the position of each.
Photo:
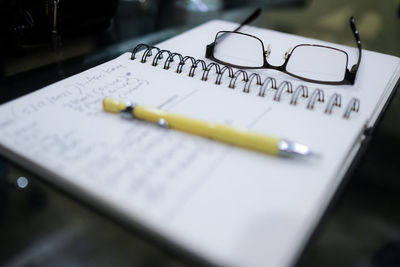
(127, 113)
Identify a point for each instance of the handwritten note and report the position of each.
(64, 128)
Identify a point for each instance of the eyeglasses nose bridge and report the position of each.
(268, 51)
(288, 52)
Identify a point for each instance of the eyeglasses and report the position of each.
(308, 62)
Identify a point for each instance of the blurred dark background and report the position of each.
(41, 226)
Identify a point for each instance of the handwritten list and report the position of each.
(64, 127)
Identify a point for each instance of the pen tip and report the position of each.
(290, 149)
(312, 154)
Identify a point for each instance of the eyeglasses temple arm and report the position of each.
(354, 29)
(249, 19)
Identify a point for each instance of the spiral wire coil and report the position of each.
(301, 91)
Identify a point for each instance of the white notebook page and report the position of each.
(227, 204)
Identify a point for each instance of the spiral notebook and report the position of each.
(218, 203)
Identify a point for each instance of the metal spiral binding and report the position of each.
(335, 100)
(159, 56)
(221, 73)
(194, 66)
(282, 86)
(236, 75)
(208, 68)
(183, 62)
(317, 94)
(354, 105)
(170, 59)
(246, 88)
(300, 89)
(137, 48)
(268, 83)
(148, 53)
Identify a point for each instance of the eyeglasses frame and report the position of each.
(349, 75)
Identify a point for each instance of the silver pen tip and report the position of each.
(290, 149)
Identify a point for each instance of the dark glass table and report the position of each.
(42, 226)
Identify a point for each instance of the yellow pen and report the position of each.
(220, 132)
